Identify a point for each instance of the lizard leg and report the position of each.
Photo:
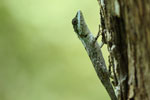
(98, 34)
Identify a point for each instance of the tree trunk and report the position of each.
(126, 29)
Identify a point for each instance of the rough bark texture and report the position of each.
(126, 31)
(137, 25)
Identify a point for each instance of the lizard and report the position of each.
(94, 52)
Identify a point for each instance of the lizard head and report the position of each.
(79, 25)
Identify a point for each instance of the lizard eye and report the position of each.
(74, 21)
(85, 35)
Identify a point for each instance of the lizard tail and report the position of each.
(110, 90)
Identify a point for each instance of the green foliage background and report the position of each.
(41, 57)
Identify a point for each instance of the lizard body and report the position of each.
(94, 51)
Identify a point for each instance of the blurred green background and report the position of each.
(41, 58)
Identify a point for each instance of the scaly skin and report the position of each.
(94, 51)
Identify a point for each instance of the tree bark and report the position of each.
(127, 26)
(125, 29)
